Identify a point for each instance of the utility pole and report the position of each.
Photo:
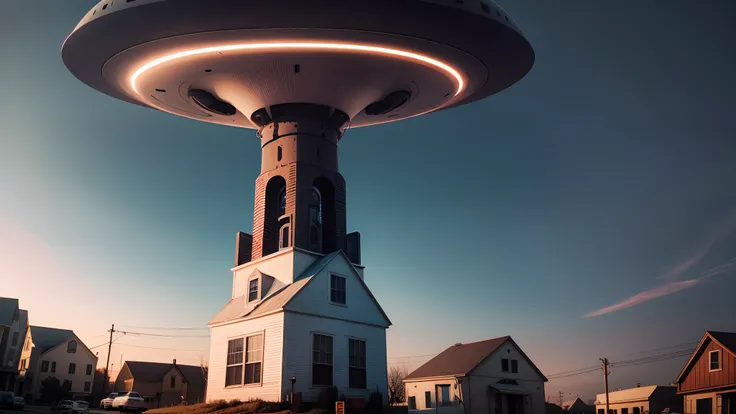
(560, 394)
(107, 365)
(605, 380)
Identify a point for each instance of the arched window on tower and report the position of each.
(315, 221)
(71, 347)
(273, 221)
(323, 227)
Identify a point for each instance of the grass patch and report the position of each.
(225, 407)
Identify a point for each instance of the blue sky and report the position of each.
(608, 172)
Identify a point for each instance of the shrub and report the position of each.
(218, 405)
(327, 398)
(375, 402)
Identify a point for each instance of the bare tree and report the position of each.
(396, 390)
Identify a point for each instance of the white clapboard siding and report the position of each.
(270, 388)
(315, 297)
(298, 329)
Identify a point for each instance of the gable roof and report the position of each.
(46, 338)
(727, 340)
(8, 308)
(631, 394)
(154, 371)
(459, 360)
(238, 309)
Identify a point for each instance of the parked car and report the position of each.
(131, 401)
(71, 407)
(81, 406)
(63, 406)
(10, 401)
(19, 403)
(106, 403)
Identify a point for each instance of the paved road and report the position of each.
(46, 410)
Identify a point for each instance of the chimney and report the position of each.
(174, 361)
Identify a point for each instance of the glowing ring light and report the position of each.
(303, 46)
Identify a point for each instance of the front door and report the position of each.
(515, 404)
(704, 406)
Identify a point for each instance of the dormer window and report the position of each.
(337, 290)
(253, 290)
(715, 360)
(71, 347)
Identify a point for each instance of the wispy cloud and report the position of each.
(666, 289)
(717, 234)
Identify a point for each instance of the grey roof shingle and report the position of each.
(154, 372)
(8, 308)
(727, 339)
(461, 359)
(46, 338)
(458, 359)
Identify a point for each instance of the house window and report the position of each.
(253, 290)
(173, 381)
(601, 411)
(715, 360)
(71, 347)
(66, 385)
(504, 365)
(44, 366)
(279, 153)
(234, 370)
(321, 360)
(337, 289)
(624, 411)
(445, 394)
(89, 369)
(72, 368)
(514, 366)
(87, 386)
(253, 359)
(427, 399)
(356, 364)
(636, 410)
(53, 366)
(412, 403)
(284, 237)
(14, 341)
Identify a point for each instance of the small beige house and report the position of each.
(51, 352)
(163, 384)
(654, 399)
(487, 377)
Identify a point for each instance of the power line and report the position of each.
(414, 356)
(160, 328)
(663, 348)
(164, 349)
(162, 335)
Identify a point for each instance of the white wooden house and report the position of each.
(298, 314)
(486, 377)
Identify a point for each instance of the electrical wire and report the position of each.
(161, 335)
(160, 328)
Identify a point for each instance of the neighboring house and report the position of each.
(578, 406)
(13, 326)
(486, 377)
(298, 314)
(654, 399)
(708, 380)
(162, 384)
(50, 352)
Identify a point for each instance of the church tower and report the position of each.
(300, 195)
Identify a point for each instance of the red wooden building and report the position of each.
(708, 381)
